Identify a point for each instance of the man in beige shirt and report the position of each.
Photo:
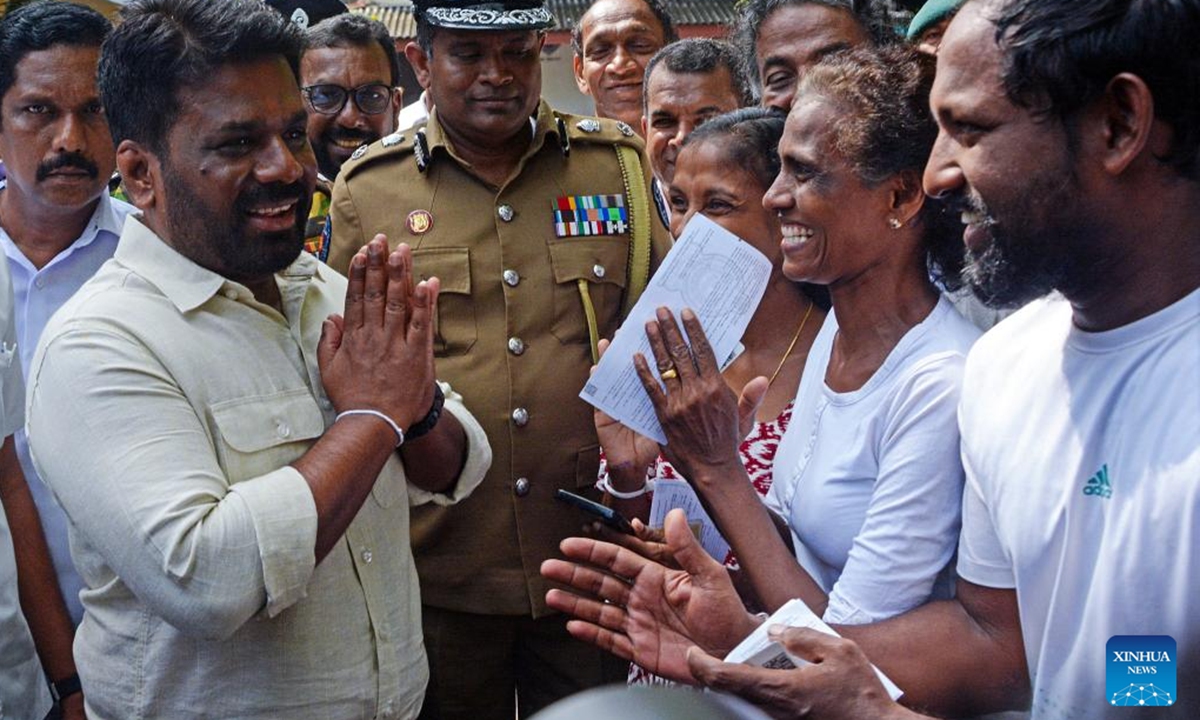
(224, 443)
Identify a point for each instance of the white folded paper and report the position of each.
(709, 270)
(758, 649)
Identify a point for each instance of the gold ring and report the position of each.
(668, 374)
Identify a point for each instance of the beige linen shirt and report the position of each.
(165, 406)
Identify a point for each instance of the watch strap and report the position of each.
(65, 687)
(427, 423)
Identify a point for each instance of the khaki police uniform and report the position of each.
(512, 330)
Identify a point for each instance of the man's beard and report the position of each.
(1039, 247)
(222, 242)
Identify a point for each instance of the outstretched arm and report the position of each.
(643, 611)
(961, 657)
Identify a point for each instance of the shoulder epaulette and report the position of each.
(395, 146)
(602, 131)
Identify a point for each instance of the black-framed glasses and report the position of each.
(370, 99)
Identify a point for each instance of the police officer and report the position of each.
(540, 227)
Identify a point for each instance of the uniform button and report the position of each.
(521, 487)
(506, 213)
(326, 404)
(516, 346)
(366, 555)
(520, 416)
(283, 430)
(231, 294)
(598, 270)
(511, 278)
(40, 283)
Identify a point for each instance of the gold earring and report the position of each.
(894, 224)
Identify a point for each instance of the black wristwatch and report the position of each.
(64, 688)
(431, 418)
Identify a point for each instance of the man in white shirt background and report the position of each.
(57, 227)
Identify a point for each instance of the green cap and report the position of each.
(931, 13)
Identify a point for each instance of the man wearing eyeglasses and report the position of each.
(350, 75)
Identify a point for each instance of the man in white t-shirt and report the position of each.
(1068, 140)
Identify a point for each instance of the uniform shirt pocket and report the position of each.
(602, 263)
(454, 318)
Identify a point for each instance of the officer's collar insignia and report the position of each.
(624, 129)
(393, 139)
(588, 215)
(358, 152)
(421, 150)
(588, 125)
(564, 140)
(419, 222)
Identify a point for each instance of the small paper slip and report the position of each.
(708, 270)
(758, 650)
(671, 494)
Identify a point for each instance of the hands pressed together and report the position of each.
(379, 354)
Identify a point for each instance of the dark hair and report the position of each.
(873, 16)
(1059, 55)
(350, 30)
(701, 56)
(42, 25)
(162, 46)
(657, 8)
(885, 128)
(751, 135)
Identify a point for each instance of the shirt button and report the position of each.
(283, 429)
(231, 294)
(520, 416)
(598, 270)
(40, 283)
(516, 346)
(521, 487)
(511, 278)
(366, 555)
(505, 212)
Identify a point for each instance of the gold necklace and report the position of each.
(787, 353)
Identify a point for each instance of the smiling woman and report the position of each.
(867, 476)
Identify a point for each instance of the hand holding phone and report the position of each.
(606, 515)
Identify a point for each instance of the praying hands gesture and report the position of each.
(379, 355)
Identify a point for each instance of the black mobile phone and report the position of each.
(606, 515)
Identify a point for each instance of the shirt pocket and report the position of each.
(454, 318)
(602, 263)
(261, 433)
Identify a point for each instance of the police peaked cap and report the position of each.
(476, 15)
(307, 13)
